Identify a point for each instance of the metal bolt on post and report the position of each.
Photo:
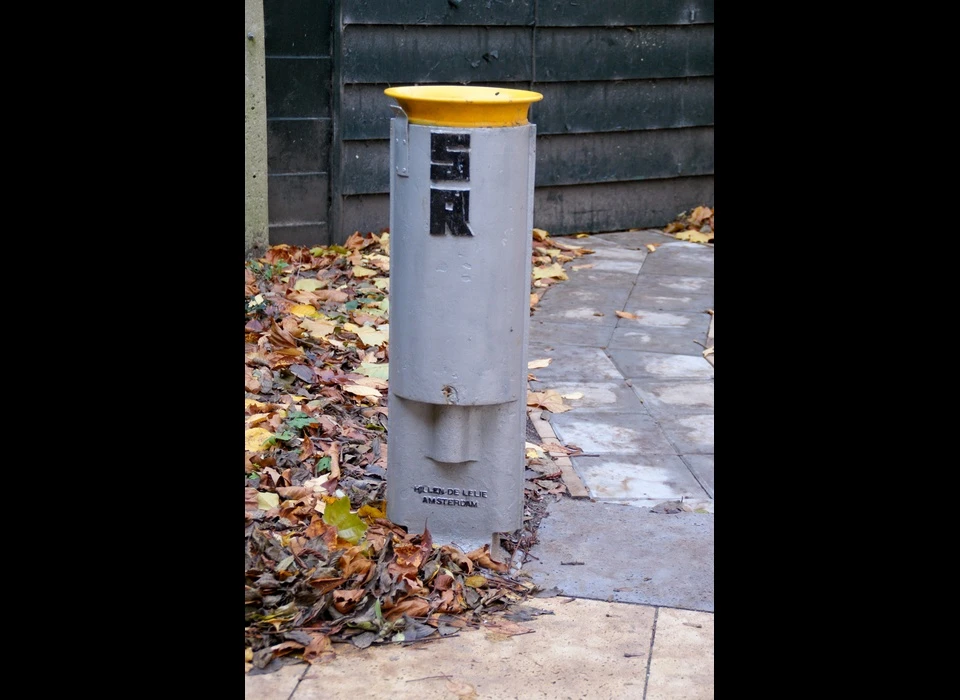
(461, 217)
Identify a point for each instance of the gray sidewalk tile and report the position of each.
(571, 363)
(696, 321)
(594, 305)
(670, 558)
(677, 397)
(675, 341)
(633, 239)
(682, 663)
(702, 468)
(658, 477)
(682, 259)
(614, 259)
(597, 396)
(590, 277)
(690, 434)
(675, 285)
(641, 298)
(554, 332)
(655, 365)
(599, 432)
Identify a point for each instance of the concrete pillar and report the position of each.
(461, 215)
(256, 224)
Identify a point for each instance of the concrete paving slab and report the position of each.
(677, 397)
(619, 433)
(555, 332)
(659, 366)
(273, 686)
(591, 277)
(629, 554)
(597, 396)
(593, 305)
(675, 341)
(667, 285)
(695, 505)
(702, 468)
(643, 300)
(680, 258)
(633, 239)
(682, 661)
(698, 323)
(615, 259)
(577, 649)
(630, 477)
(571, 363)
(689, 434)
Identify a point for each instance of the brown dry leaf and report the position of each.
(411, 605)
(462, 689)
(482, 557)
(319, 651)
(477, 581)
(346, 601)
(317, 329)
(539, 234)
(361, 390)
(652, 247)
(534, 298)
(626, 314)
(583, 267)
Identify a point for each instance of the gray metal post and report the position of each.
(461, 216)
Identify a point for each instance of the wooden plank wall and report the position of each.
(299, 66)
(625, 129)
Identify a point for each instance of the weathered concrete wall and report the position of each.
(255, 132)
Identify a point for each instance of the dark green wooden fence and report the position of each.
(625, 129)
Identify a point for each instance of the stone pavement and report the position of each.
(631, 612)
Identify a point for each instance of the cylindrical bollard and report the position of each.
(461, 217)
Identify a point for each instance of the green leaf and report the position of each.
(299, 420)
(323, 465)
(376, 371)
(349, 526)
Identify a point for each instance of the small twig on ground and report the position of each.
(428, 678)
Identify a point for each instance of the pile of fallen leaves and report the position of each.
(696, 227)
(323, 564)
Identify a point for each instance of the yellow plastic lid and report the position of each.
(464, 105)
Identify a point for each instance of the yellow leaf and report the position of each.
(381, 282)
(476, 581)
(359, 271)
(266, 501)
(256, 418)
(537, 364)
(574, 395)
(534, 298)
(626, 314)
(540, 234)
(253, 403)
(307, 285)
(254, 438)
(554, 270)
(582, 235)
(369, 511)
(694, 236)
(303, 310)
(652, 246)
(699, 214)
(317, 329)
(372, 336)
(361, 390)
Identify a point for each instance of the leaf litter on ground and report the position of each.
(323, 564)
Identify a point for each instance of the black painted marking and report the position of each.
(450, 157)
(449, 209)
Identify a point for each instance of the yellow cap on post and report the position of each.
(464, 105)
